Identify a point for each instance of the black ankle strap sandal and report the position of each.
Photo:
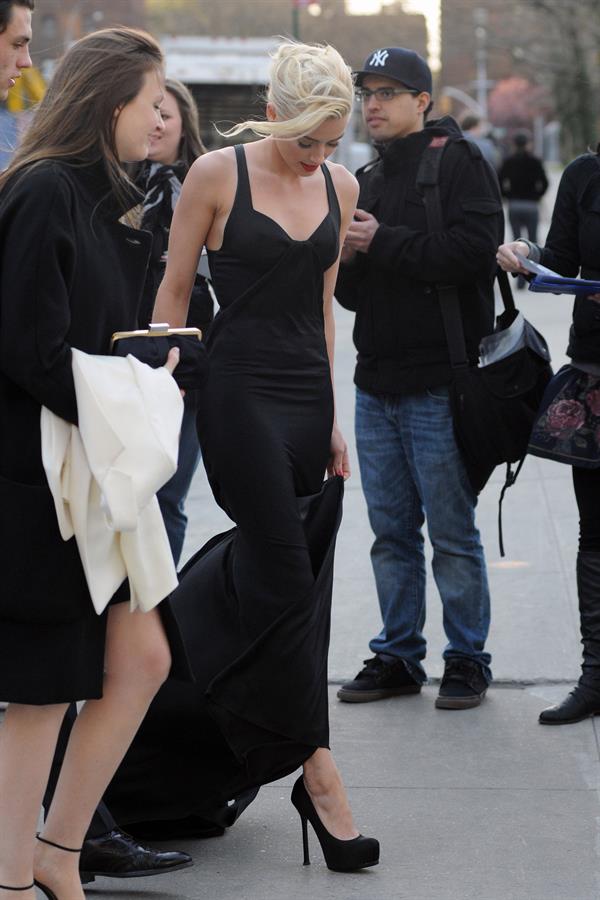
(7, 887)
(58, 846)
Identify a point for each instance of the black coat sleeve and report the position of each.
(541, 179)
(348, 287)
(504, 178)
(562, 252)
(465, 250)
(37, 263)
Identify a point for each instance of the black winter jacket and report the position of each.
(573, 247)
(70, 276)
(399, 332)
(522, 177)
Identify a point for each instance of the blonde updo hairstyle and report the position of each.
(308, 84)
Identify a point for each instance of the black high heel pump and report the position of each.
(38, 884)
(340, 855)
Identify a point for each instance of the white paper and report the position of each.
(534, 267)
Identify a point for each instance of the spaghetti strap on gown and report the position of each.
(254, 603)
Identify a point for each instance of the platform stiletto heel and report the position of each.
(304, 821)
(340, 855)
(38, 884)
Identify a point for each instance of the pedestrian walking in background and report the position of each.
(568, 427)
(523, 181)
(475, 130)
(411, 467)
(70, 276)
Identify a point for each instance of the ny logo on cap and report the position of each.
(379, 58)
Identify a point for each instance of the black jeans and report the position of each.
(587, 493)
(102, 820)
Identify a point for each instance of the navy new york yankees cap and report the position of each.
(400, 64)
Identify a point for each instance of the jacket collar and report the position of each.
(399, 152)
(97, 185)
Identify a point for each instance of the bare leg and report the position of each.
(326, 789)
(28, 737)
(137, 662)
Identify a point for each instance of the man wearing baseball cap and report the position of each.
(410, 465)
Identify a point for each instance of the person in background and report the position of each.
(523, 181)
(477, 131)
(173, 150)
(411, 467)
(70, 276)
(568, 426)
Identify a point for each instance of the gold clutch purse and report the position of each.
(156, 329)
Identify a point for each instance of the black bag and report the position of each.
(152, 345)
(494, 405)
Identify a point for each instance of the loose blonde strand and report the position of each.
(308, 84)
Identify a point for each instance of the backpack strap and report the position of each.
(511, 477)
(428, 185)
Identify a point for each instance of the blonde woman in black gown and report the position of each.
(255, 603)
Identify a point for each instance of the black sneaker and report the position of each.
(379, 680)
(463, 685)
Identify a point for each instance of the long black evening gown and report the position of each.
(254, 603)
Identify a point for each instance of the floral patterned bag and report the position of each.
(567, 427)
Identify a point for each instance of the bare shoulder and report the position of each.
(212, 170)
(345, 184)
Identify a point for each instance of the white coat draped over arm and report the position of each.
(104, 474)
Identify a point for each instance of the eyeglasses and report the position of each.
(383, 94)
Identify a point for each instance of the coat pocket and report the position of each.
(43, 581)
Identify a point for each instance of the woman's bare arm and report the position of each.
(347, 191)
(195, 218)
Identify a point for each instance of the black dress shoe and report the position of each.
(118, 855)
(580, 704)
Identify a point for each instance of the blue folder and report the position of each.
(555, 284)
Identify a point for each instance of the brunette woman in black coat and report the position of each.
(70, 275)
(568, 427)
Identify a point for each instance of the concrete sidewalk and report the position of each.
(483, 804)
(478, 805)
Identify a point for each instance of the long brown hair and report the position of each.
(76, 120)
(191, 146)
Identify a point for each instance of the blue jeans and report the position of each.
(171, 497)
(412, 471)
